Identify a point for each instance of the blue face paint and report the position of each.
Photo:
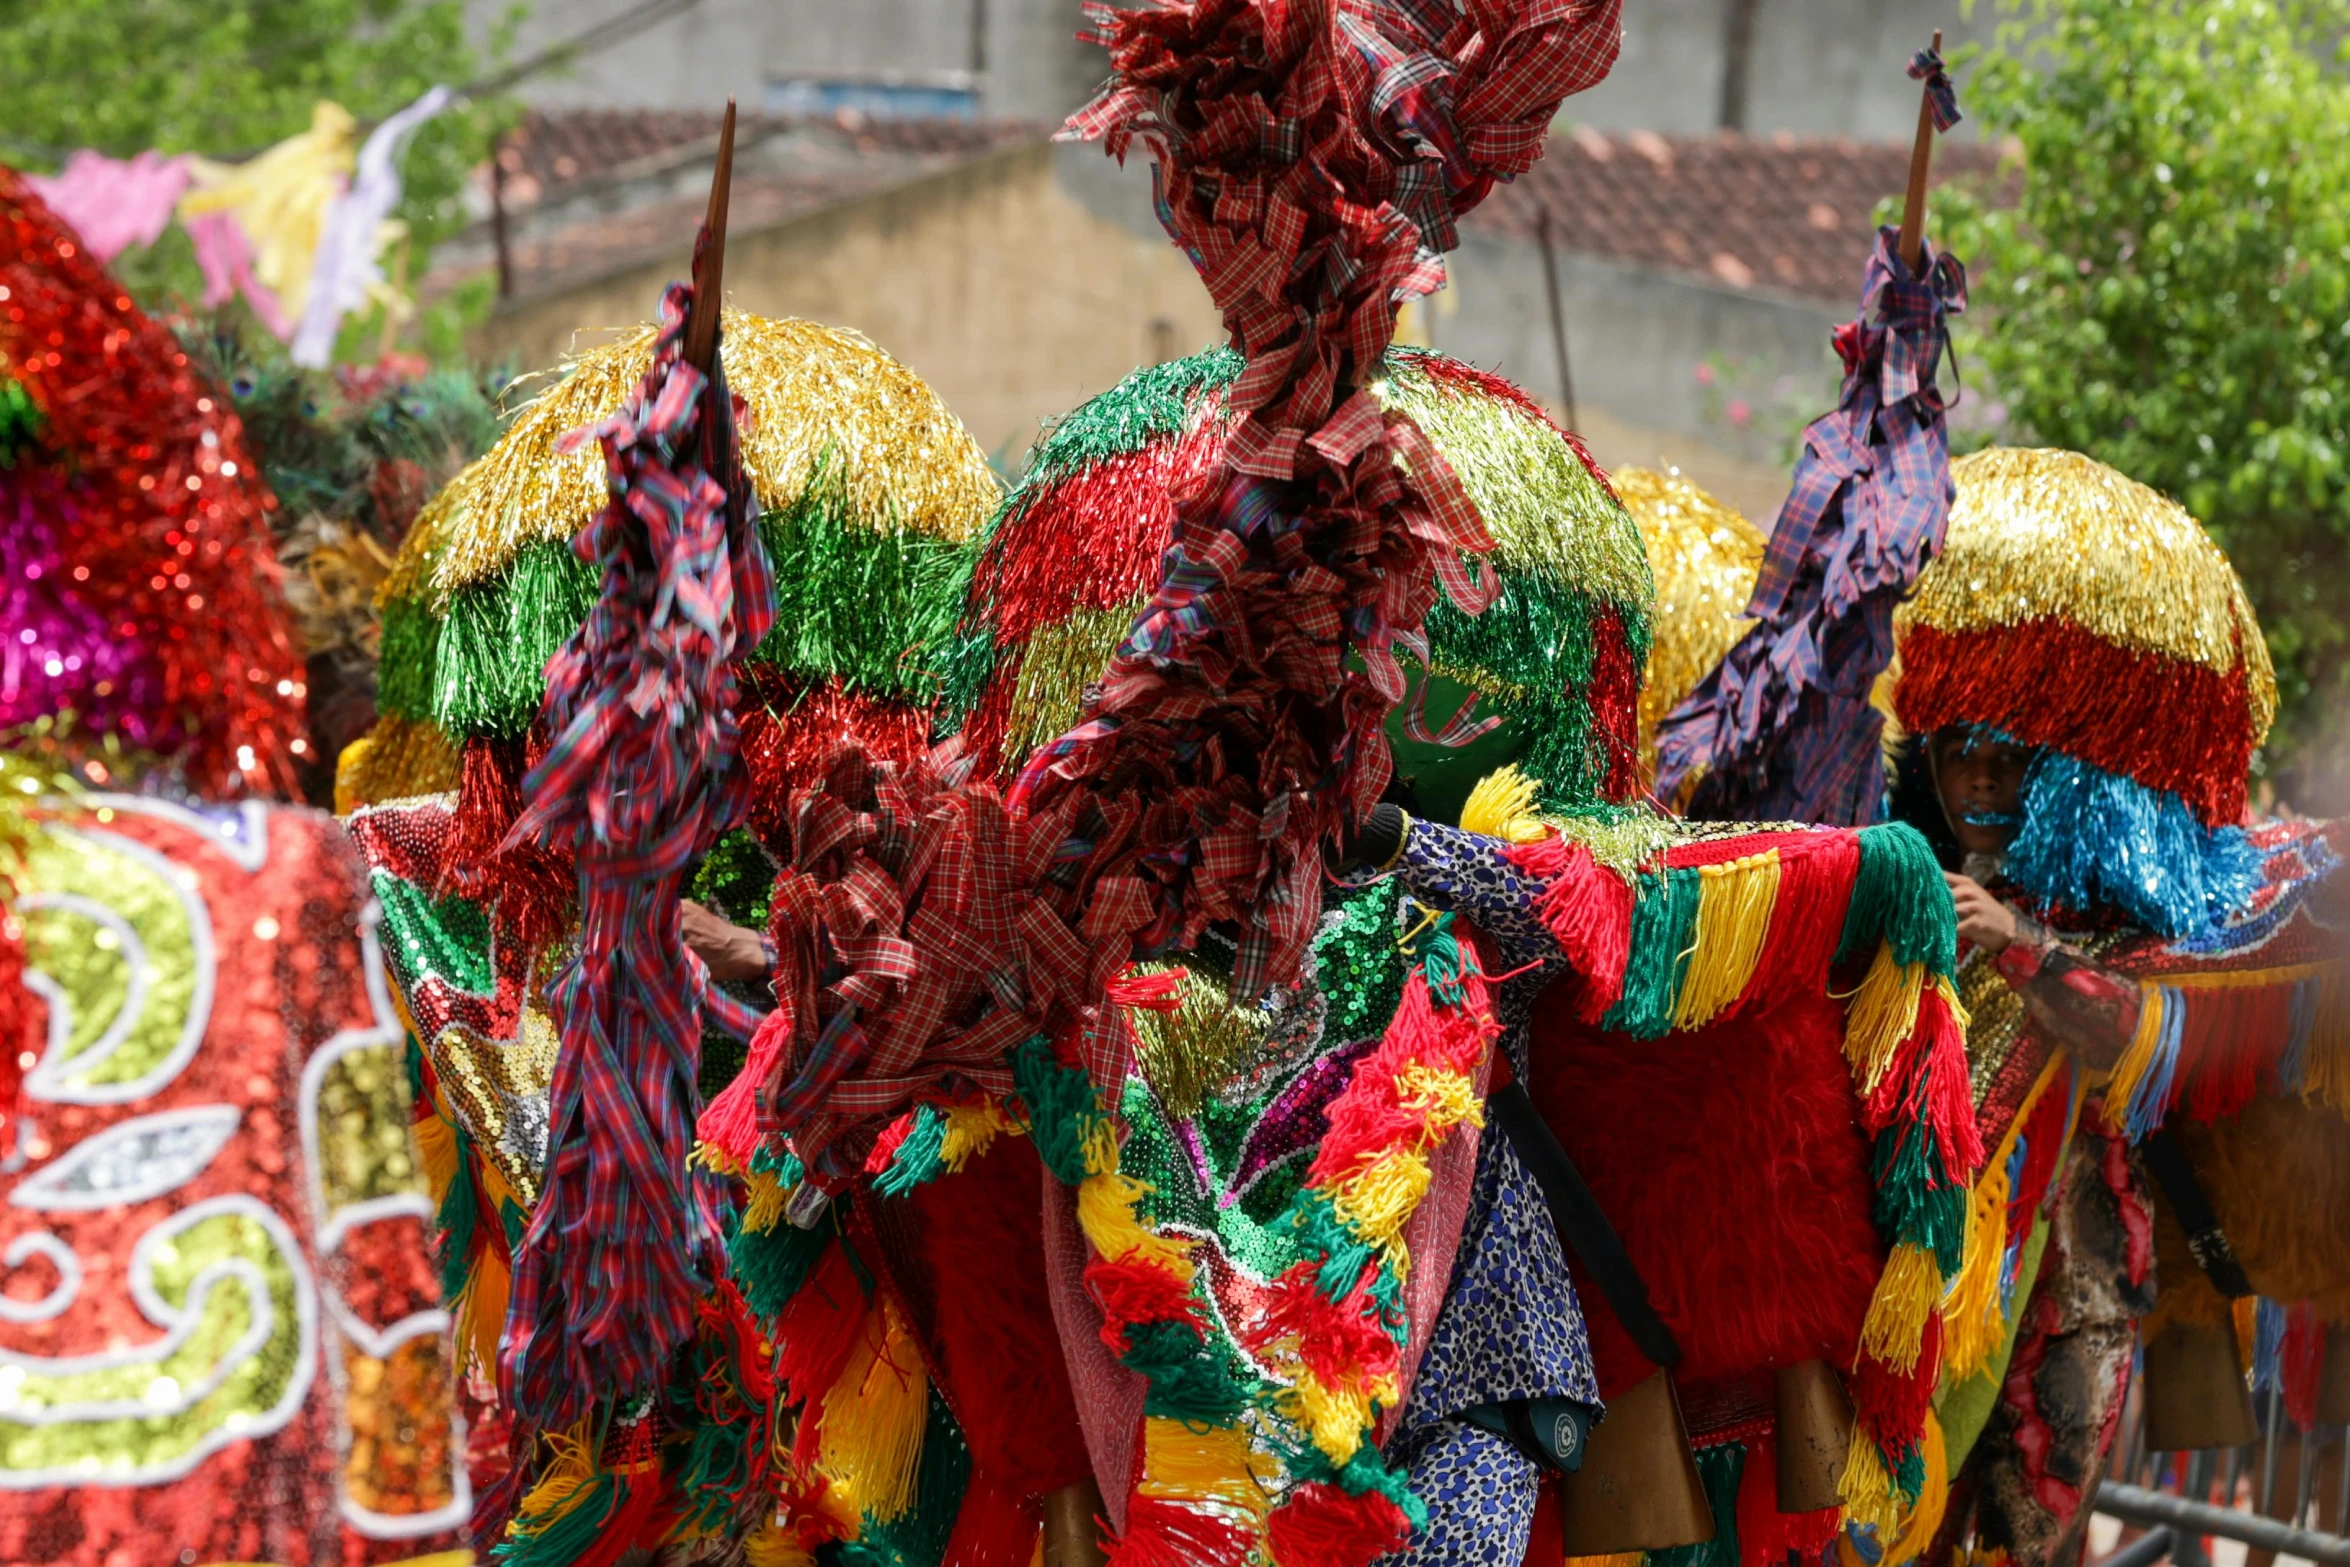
(1993, 818)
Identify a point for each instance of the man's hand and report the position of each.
(1982, 919)
(725, 948)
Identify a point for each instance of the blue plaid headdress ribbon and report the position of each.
(1926, 66)
(1782, 729)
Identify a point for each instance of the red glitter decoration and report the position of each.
(2166, 724)
(174, 538)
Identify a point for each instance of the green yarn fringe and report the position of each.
(1916, 1199)
(1185, 1377)
(1719, 1469)
(918, 1537)
(1061, 1108)
(769, 1266)
(1897, 898)
(917, 1158)
(1664, 929)
(565, 1539)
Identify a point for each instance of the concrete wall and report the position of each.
(1828, 67)
(1014, 298)
(1820, 67)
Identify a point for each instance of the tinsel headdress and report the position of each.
(1705, 557)
(871, 494)
(1075, 552)
(137, 585)
(2076, 610)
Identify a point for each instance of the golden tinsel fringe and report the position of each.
(809, 388)
(398, 759)
(1705, 557)
(1188, 1054)
(1548, 516)
(2053, 535)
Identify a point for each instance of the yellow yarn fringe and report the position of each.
(1869, 1497)
(1336, 1418)
(2131, 1069)
(1624, 1559)
(768, 1198)
(1907, 1292)
(712, 1157)
(2247, 1314)
(1883, 1012)
(871, 1441)
(562, 1485)
(1443, 1097)
(1105, 1212)
(1734, 903)
(970, 1131)
(1502, 806)
(1377, 1201)
(1182, 1463)
(1972, 1323)
(1918, 1528)
(772, 1545)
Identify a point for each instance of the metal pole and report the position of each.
(2301, 1494)
(2342, 1496)
(2194, 1487)
(2268, 1445)
(2144, 1551)
(1558, 320)
(2190, 1519)
(498, 218)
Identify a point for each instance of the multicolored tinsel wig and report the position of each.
(2078, 611)
(869, 516)
(1705, 558)
(137, 582)
(1553, 660)
(869, 488)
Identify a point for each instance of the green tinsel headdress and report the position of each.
(1074, 554)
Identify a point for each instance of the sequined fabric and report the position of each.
(219, 1329)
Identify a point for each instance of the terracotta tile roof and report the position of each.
(550, 153)
(1785, 214)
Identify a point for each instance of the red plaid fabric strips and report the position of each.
(638, 778)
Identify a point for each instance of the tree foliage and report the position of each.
(227, 78)
(2162, 280)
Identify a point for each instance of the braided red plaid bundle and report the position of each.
(641, 776)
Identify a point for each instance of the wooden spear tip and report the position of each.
(701, 327)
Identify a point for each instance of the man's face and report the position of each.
(1981, 781)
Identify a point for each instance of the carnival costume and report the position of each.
(868, 495)
(2196, 961)
(219, 1338)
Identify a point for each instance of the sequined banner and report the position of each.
(220, 1338)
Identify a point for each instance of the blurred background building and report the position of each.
(1670, 271)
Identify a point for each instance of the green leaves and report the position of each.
(227, 78)
(2163, 282)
